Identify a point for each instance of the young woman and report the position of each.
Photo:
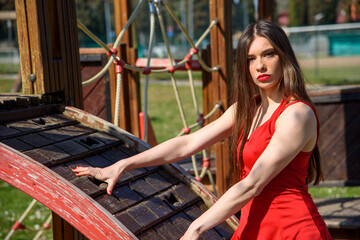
(274, 129)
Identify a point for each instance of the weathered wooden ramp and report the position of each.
(40, 145)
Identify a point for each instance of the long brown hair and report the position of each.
(244, 92)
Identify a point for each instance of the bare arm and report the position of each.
(170, 151)
(295, 128)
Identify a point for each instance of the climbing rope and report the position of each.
(154, 6)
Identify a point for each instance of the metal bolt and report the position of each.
(32, 77)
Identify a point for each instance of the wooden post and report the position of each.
(122, 14)
(50, 61)
(130, 102)
(266, 10)
(49, 49)
(221, 54)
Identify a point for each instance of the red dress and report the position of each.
(284, 209)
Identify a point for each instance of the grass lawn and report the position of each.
(164, 112)
(333, 76)
(13, 203)
(334, 192)
(6, 85)
(8, 68)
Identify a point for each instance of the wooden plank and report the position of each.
(149, 234)
(41, 184)
(94, 101)
(134, 96)
(7, 15)
(75, 55)
(55, 47)
(207, 86)
(221, 55)
(124, 118)
(340, 212)
(158, 207)
(17, 144)
(126, 196)
(142, 188)
(95, 51)
(129, 222)
(193, 213)
(167, 230)
(266, 9)
(24, 46)
(58, 225)
(63, 42)
(122, 14)
(35, 140)
(110, 203)
(35, 46)
(157, 181)
(142, 215)
(45, 40)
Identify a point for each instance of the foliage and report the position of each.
(327, 7)
(302, 12)
(91, 14)
(298, 12)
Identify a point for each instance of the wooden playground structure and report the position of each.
(44, 135)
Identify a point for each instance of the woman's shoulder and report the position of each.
(299, 112)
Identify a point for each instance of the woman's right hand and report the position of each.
(110, 174)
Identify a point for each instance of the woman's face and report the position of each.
(264, 64)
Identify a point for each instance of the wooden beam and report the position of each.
(7, 15)
(266, 10)
(122, 14)
(49, 49)
(130, 103)
(221, 55)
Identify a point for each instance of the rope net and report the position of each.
(156, 8)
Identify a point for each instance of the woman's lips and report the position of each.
(263, 77)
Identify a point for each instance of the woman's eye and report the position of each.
(269, 54)
(251, 59)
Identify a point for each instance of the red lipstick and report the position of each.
(263, 77)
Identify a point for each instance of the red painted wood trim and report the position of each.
(60, 196)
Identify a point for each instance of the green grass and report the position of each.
(333, 76)
(6, 85)
(13, 203)
(7, 68)
(164, 112)
(334, 192)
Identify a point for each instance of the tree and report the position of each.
(298, 12)
(327, 7)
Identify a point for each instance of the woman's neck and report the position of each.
(268, 99)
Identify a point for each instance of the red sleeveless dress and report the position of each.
(284, 209)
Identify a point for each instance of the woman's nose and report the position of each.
(260, 65)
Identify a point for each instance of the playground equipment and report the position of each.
(154, 6)
(56, 65)
(52, 70)
(41, 143)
